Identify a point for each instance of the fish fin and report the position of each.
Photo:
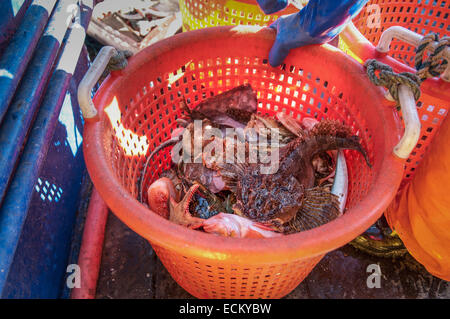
(329, 127)
(319, 207)
(291, 124)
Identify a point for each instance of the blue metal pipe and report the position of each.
(86, 7)
(18, 118)
(16, 204)
(15, 58)
(12, 13)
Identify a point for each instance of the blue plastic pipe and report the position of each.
(16, 56)
(16, 203)
(22, 110)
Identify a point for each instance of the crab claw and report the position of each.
(179, 212)
(230, 225)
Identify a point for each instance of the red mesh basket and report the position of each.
(422, 17)
(210, 13)
(137, 108)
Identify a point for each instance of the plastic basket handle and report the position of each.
(412, 123)
(411, 119)
(406, 97)
(412, 38)
(90, 79)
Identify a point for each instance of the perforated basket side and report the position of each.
(218, 279)
(209, 13)
(420, 16)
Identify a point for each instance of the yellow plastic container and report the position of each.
(210, 13)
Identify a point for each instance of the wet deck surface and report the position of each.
(131, 269)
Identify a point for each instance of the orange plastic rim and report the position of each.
(422, 17)
(138, 106)
(209, 13)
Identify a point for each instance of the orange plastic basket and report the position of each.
(209, 13)
(137, 108)
(422, 17)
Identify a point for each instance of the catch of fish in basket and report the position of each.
(238, 173)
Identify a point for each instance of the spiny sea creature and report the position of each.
(193, 167)
(284, 195)
(220, 223)
(232, 108)
(179, 212)
(292, 199)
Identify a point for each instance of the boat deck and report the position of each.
(131, 269)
